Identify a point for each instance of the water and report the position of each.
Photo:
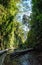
(32, 58)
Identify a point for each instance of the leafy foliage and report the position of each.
(8, 11)
(35, 34)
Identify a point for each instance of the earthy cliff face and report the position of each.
(38, 47)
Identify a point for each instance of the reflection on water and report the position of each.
(27, 59)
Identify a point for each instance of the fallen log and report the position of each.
(3, 51)
(20, 52)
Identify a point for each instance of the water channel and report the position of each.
(31, 58)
